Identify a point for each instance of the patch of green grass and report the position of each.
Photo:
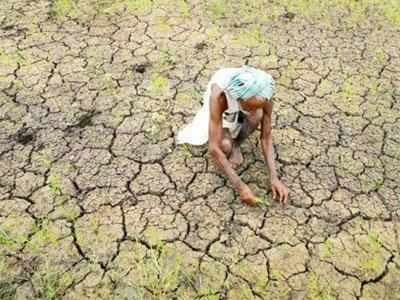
(218, 9)
(185, 149)
(54, 183)
(357, 11)
(258, 279)
(11, 57)
(251, 37)
(183, 8)
(109, 85)
(7, 290)
(380, 56)
(327, 249)
(62, 8)
(159, 271)
(49, 281)
(372, 264)
(348, 89)
(316, 291)
(374, 241)
(10, 238)
(159, 84)
(139, 6)
(106, 6)
(251, 11)
(167, 58)
(5, 239)
(43, 234)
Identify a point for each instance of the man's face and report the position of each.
(252, 103)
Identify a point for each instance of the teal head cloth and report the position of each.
(249, 82)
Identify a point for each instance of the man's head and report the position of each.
(249, 82)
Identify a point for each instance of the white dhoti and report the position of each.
(196, 132)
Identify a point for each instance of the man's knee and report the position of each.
(226, 146)
(256, 117)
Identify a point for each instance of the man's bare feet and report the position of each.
(236, 158)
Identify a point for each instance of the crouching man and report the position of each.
(236, 101)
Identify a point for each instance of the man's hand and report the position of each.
(279, 190)
(247, 196)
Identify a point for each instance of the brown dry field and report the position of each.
(98, 202)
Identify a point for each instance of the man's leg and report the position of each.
(250, 124)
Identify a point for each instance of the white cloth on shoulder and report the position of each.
(196, 133)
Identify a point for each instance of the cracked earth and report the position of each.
(98, 202)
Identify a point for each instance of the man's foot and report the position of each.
(236, 158)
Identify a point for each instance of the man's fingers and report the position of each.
(285, 195)
(281, 196)
(273, 193)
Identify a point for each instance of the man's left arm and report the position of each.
(278, 188)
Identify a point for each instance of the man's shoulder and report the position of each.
(218, 101)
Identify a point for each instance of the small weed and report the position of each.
(380, 56)
(54, 183)
(159, 271)
(374, 241)
(315, 291)
(379, 183)
(10, 239)
(166, 59)
(327, 250)
(159, 84)
(7, 290)
(261, 201)
(5, 239)
(372, 264)
(50, 282)
(183, 8)
(109, 85)
(348, 89)
(187, 151)
(43, 235)
(70, 213)
(218, 9)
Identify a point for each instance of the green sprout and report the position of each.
(261, 202)
(218, 9)
(54, 183)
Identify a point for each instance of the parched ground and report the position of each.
(98, 202)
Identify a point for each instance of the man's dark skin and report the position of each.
(221, 145)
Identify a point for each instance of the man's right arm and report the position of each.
(217, 106)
